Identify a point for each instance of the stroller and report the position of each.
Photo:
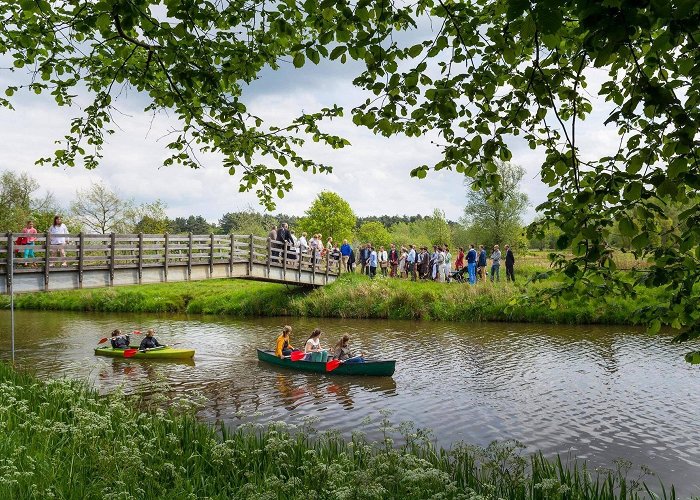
(460, 276)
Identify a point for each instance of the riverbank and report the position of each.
(352, 296)
(61, 439)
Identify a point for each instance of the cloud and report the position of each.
(372, 174)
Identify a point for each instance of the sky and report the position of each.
(372, 174)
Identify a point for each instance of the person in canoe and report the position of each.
(149, 341)
(313, 349)
(119, 341)
(284, 348)
(342, 351)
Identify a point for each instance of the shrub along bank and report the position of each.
(60, 439)
(352, 296)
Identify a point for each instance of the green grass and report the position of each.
(352, 296)
(61, 440)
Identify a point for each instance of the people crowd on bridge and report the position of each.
(407, 261)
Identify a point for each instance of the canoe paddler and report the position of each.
(342, 351)
(284, 348)
(149, 341)
(119, 341)
(313, 349)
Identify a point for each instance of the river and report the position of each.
(593, 392)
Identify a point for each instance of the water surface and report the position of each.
(593, 392)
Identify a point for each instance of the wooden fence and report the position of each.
(98, 260)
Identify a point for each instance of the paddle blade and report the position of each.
(136, 332)
(297, 355)
(130, 353)
(103, 340)
(332, 364)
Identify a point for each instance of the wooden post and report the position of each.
(252, 251)
(269, 255)
(328, 263)
(300, 257)
(211, 255)
(81, 258)
(140, 256)
(230, 257)
(112, 256)
(313, 266)
(47, 259)
(284, 261)
(165, 260)
(189, 258)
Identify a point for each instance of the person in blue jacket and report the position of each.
(345, 251)
(471, 264)
(119, 341)
(149, 341)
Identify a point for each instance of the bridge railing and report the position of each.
(85, 251)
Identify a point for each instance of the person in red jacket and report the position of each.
(459, 263)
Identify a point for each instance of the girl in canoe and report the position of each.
(149, 341)
(313, 349)
(119, 341)
(342, 351)
(284, 348)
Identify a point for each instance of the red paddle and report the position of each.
(130, 353)
(335, 363)
(297, 355)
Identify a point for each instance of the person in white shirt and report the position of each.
(58, 242)
(411, 262)
(383, 261)
(313, 349)
(303, 244)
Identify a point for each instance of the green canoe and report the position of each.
(156, 353)
(375, 368)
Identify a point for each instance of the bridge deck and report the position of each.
(104, 260)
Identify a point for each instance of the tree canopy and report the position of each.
(329, 215)
(485, 75)
(374, 233)
(18, 203)
(494, 216)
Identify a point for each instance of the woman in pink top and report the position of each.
(28, 250)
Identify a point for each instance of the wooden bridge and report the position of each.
(105, 260)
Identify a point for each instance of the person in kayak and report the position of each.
(149, 341)
(119, 341)
(313, 349)
(343, 353)
(284, 348)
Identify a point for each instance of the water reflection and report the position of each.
(597, 392)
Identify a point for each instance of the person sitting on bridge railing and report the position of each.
(120, 341)
(149, 341)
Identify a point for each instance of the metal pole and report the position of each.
(10, 285)
(12, 324)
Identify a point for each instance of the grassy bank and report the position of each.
(61, 440)
(353, 296)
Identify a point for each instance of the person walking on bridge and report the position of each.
(345, 251)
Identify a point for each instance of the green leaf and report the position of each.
(640, 241)
(299, 60)
(627, 227)
(633, 191)
(337, 52)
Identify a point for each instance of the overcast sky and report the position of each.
(372, 174)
